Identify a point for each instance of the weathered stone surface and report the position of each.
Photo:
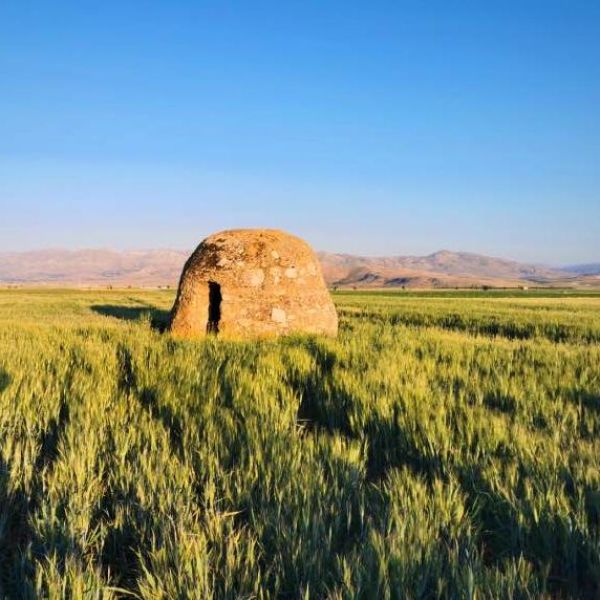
(252, 283)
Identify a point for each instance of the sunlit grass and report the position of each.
(441, 447)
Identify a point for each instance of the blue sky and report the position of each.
(365, 127)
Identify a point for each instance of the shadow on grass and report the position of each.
(589, 400)
(508, 529)
(18, 504)
(124, 548)
(4, 380)
(159, 319)
(149, 400)
(326, 405)
(50, 438)
(16, 533)
(172, 423)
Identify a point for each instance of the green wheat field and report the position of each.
(446, 445)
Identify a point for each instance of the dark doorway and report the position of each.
(214, 307)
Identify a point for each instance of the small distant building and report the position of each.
(252, 283)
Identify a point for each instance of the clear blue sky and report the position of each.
(366, 127)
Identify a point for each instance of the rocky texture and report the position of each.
(252, 283)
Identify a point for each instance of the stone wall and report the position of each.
(270, 283)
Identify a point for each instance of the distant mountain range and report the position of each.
(151, 268)
(446, 269)
(590, 269)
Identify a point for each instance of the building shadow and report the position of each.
(159, 318)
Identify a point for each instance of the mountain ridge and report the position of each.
(584, 269)
(162, 267)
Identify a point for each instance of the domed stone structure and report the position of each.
(252, 283)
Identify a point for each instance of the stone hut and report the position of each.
(252, 283)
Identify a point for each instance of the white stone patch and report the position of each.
(255, 277)
(275, 274)
(292, 273)
(275, 254)
(223, 262)
(278, 315)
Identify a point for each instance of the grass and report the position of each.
(440, 447)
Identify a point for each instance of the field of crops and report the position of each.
(443, 446)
